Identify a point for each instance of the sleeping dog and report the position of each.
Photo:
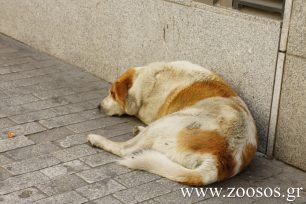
(198, 131)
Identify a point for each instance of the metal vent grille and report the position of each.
(266, 5)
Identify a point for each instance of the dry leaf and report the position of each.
(10, 134)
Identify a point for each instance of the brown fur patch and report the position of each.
(191, 179)
(239, 107)
(199, 141)
(247, 155)
(119, 89)
(188, 96)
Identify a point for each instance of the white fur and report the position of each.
(111, 107)
(157, 163)
(156, 144)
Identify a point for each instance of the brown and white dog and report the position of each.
(199, 130)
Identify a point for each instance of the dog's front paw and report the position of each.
(93, 139)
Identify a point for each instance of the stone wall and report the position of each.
(107, 36)
(291, 129)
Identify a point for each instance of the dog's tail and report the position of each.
(157, 163)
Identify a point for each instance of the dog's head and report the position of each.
(120, 99)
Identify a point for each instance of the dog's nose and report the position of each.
(99, 107)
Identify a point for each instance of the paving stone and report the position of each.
(5, 122)
(3, 95)
(233, 182)
(66, 67)
(50, 135)
(82, 76)
(84, 96)
(18, 68)
(73, 76)
(21, 90)
(32, 88)
(23, 129)
(31, 81)
(105, 200)
(115, 130)
(102, 172)
(4, 174)
(22, 181)
(16, 142)
(96, 85)
(5, 160)
(6, 111)
(2, 46)
(177, 197)
(170, 184)
(42, 71)
(273, 182)
(15, 55)
(4, 71)
(24, 67)
(122, 138)
(241, 200)
(45, 63)
(15, 61)
(74, 152)
(150, 201)
(100, 189)
(63, 120)
(34, 116)
(38, 56)
(67, 197)
(13, 90)
(66, 168)
(265, 200)
(32, 151)
(7, 50)
(72, 140)
(54, 93)
(99, 159)
(26, 74)
(286, 176)
(44, 104)
(32, 164)
(95, 124)
(136, 178)
(70, 74)
(28, 195)
(142, 192)
(76, 107)
(257, 170)
(92, 114)
(18, 100)
(61, 184)
(47, 86)
(81, 138)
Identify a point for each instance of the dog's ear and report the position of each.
(122, 86)
(131, 107)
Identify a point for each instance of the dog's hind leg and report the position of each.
(120, 148)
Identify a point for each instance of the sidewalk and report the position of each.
(51, 106)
